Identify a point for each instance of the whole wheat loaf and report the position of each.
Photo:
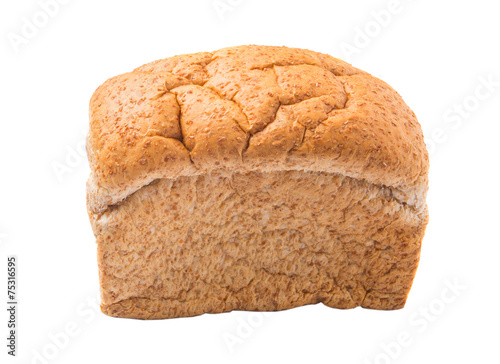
(253, 178)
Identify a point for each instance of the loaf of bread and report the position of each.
(253, 178)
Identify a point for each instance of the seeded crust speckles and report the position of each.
(334, 157)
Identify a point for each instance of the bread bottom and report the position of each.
(256, 241)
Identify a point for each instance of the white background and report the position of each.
(436, 54)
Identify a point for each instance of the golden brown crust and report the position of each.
(250, 108)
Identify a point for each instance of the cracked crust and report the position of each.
(293, 176)
(250, 108)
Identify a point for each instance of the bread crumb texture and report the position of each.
(253, 178)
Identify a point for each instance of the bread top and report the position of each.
(251, 108)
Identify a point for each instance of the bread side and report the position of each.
(256, 241)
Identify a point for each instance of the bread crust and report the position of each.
(256, 178)
(251, 108)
